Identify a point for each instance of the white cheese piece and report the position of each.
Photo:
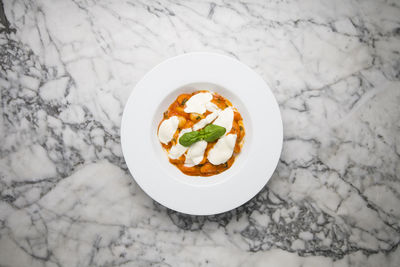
(167, 129)
(210, 106)
(222, 150)
(197, 103)
(177, 150)
(225, 119)
(207, 120)
(195, 153)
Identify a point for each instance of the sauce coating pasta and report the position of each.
(187, 120)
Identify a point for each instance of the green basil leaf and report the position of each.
(213, 132)
(210, 133)
(189, 138)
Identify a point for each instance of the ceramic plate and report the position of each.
(148, 162)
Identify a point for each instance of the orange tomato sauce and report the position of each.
(187, 120)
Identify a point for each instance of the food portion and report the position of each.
(202, 133)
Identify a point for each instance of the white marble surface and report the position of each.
(67, 68)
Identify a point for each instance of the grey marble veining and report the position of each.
(67, 68)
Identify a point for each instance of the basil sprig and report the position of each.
(210, 133)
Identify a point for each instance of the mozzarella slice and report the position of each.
(222, 150)
(195, 153)
(178, 150)
(198, 103)
(225, 119)
(207, 120)
(167, 129)
(210, 106)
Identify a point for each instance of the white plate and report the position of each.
(149, 164)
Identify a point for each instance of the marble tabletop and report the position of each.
(68, 66)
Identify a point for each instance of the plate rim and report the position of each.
(124, 124)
